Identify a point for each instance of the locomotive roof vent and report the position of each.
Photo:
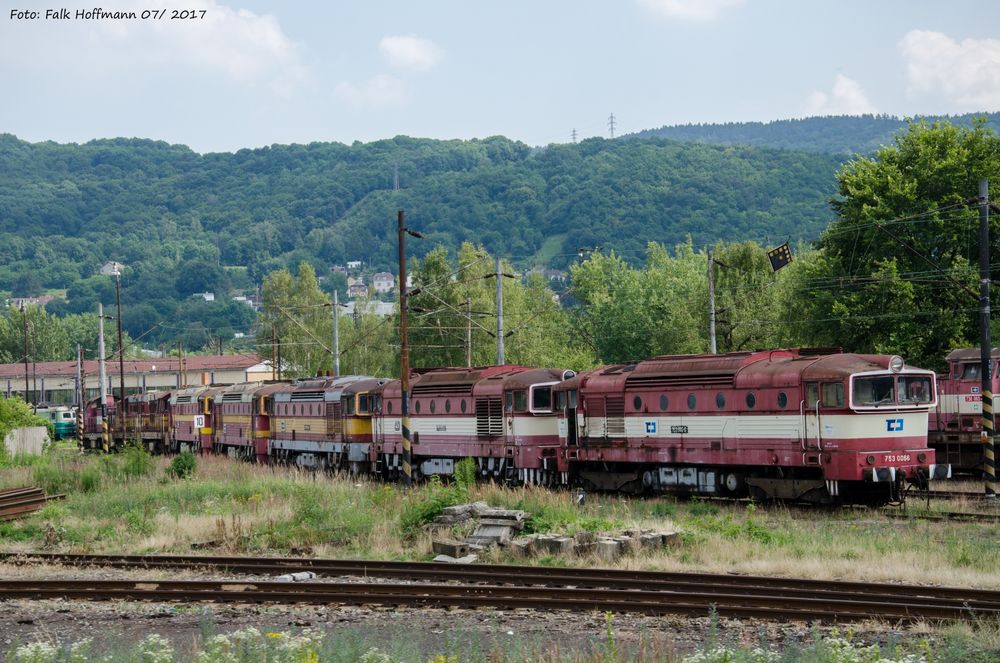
(895, 363)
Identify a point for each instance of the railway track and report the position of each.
(945, 516)
(20, 502)
(950, 495)
(495, 586)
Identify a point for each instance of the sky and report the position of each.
(249, 73)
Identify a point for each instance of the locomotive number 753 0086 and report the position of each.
(897, 458)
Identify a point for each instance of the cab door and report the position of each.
(809, 410)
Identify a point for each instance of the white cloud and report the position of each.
(846, 98)
(378, 92)
(965, 73)
(694, 10)
(234, 44)
(411, 52)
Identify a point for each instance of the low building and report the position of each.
(111, 268)
(21, 302)
(55, 381)
(357, 290)
(383, 282)
(371, 307)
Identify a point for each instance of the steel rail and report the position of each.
(766, 604)
(530, 575)
(943, 516)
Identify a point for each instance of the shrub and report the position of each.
(465, 474)
(183, 465)
(90, 479)
(136, 461)
(423, 506)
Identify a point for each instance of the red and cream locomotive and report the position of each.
(792, 424)
(956, 424)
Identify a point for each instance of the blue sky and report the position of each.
(254, 73)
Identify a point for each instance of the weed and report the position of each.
(610, 648)
(423, 506)
(90, 479)
(183, 465)
(135, 461)
(465, 474)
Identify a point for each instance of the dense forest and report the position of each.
(185, 223)
(841, 134)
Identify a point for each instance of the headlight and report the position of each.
(895, 364)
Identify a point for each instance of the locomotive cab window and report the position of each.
(812, 394)
(363, 403)
(971, 371)
(509, 401)
(541, 398)
(571, 398)
(349, 405)
(561, 400)
(833, 394)
(520, 401)
(874, 390)
(915, 389)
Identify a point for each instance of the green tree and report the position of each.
(298, 312)
(897, 274)
(458, 301)
(45, 336)
(630, 314)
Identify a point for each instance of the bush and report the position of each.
(423, 506)
(90, 479)
(465, 474)
(136, 461)
(183, 465)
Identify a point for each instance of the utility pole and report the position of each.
(274, 355)
(499, 277)
(24, 320)
(985, 350)
(78, 396)
(182, 378)
(279, 358)
(468, 332)
(611, 125)
(121, 348)
(103, 377)
(404, 356)
(711, 303)
(336, 334)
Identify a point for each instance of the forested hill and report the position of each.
(841, 134)
(178, 218)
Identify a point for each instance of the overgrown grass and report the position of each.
(130, 502)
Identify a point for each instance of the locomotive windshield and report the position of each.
(887, 390)
(915, 389)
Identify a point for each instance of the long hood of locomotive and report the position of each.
(844, 427)
(517, 429)
(846, 446)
